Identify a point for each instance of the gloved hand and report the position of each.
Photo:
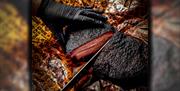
(55, 11)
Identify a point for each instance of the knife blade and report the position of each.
(83, 69)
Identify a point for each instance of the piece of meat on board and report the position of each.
(124, 61)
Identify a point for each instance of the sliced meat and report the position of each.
(81, 36)
(90, 47)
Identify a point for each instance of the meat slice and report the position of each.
(81, 36)
(90, 47)
(124, 61)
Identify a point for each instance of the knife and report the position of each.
(78, 75)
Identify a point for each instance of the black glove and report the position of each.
(55, 11)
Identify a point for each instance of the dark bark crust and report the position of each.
(124, 59)
(81, 36)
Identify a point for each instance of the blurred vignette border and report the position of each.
(14, 74)
(14, 45)
(165, 43)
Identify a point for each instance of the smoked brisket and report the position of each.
(124, 61)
